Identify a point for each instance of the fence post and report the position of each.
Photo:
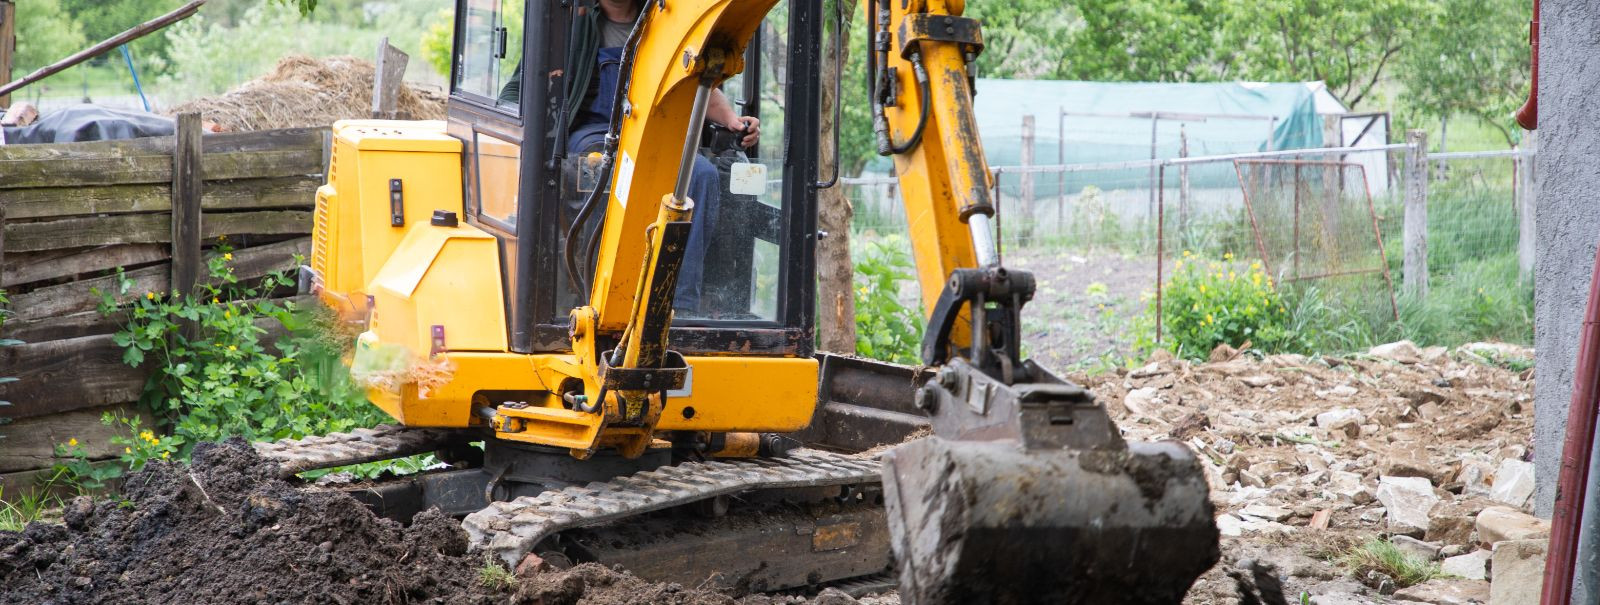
(1528, 202)
(8, 45)
(1025, 226)
(1415, 238)
(186, 192)
(388, 75)
(1061, 177)
(1183, 182)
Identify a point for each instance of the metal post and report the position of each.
(1183, 181)
(1061, 177)
(1415, 237)
(1526, 211)
(1155, 120)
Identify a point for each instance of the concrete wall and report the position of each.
(1568, 221)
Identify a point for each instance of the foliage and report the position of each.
(46, 33)
(1486, 78)
(75, 468)
(140, 445)
(1209, 302)
(1348, 44)
(102, 19)
(218, 52)
(16, 513)
(1025, 39)
(1384, 557)
(1144, 40)
(436, 43)
(886, 328)
(215, 377)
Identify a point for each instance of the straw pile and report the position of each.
(305, 92)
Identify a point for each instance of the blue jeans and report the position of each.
(705, 189)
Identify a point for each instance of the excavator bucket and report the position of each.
(1027, 494)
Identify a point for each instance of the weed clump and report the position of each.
(1378, 558)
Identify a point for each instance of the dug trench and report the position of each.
(224, 529)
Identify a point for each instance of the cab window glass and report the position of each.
(489, 49)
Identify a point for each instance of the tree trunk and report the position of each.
(836, 311)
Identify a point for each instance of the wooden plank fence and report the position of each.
(71, 214)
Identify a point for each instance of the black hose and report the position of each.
(878, 83)
(925, 90)
(574, 279)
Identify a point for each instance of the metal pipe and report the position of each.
(1566, 524)
(1528, 116)
(691, 141)
(983, 240)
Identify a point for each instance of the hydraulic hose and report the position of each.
(608, 155)
(878, 82)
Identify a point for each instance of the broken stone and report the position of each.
(1347, 486)
(1474, 478)
(1261, 380)
(1417, 549)
(1430, 411)
(1407, 501)
(1499, 523)
(1263, 511)
(1230, 526)
(1446, 591)
(1404, 351)
(1321, 519)
(1450, 529)
(1472, 566)
(1518, 572)
(1224, 446)
(1412, 462)
(1513, 482)
(1151, 369)
(1346, 420)
(1140, 401)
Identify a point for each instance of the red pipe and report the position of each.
(1566, 524)
(1528, 116)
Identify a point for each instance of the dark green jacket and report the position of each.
(580, 64)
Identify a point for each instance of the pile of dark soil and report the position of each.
(224, 530)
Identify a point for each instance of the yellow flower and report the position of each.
(73, 442)
(1231, 276)
(165, 455)
(1255, 278)
(233, 347)
(1187, 254)
(214, 300)
(127, 450)
(1210, 319)
(1202, 288)
(1227, 256)
(1255, 265)
(150, 295)
(1195, 308)
(227, 256)
(1179, 265)
(147, 435)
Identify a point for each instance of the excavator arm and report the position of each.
(1026, 492)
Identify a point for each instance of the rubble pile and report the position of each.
(1428, 449)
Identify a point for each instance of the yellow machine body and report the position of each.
(433, 311)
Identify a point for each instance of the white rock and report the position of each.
(1153, 368)
(1499, 523)
(1345, 484)
(1268, 512)
(1474, 478)
(1230, 526)
(1472, 566)
(1407, 500)
(1417, 549)
(1445, 591)
(1513, 482)
(1518, 572)
(1337, 417)
(1404, 351)
(1140, 401)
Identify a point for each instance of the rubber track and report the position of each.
(511, 529)
(361, 445)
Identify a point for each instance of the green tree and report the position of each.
(45, 33)
(1144, 40)
(102, 19)
(1025, 38)
(1347, 44)
(1471, 58)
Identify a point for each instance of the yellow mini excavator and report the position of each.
(631, 357)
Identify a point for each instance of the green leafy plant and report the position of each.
(74, 468)
(140, 445)
(886, 328)
(495, 576)
(215, 377)
(5, 342)
(1211, 302)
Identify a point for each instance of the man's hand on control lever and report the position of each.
(721, 111)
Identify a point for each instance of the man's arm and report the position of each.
(720, 110)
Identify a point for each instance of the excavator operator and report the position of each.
(595, 57)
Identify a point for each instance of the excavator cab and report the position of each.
(525, 186)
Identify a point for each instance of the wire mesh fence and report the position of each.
(1327, 225)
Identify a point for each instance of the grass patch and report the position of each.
(1384, 557)
(16, 513)
(495, 576)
